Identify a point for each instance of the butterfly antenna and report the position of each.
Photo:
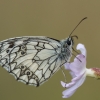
(77, 25)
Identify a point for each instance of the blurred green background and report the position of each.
(56, 19)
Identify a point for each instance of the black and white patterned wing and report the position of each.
(32, 60)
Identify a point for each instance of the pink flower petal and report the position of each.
(73, 82)
(81, 47)
(77, 67)
(68, 95)
(70, 91)
(67, 85)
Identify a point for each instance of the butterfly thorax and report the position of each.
(66, 50)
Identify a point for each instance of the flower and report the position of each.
(78, 72)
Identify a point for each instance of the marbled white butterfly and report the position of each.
(33, 60)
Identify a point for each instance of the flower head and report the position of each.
(78, 72)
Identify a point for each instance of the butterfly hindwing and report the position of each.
(32, 60)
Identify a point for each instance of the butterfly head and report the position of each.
(70, 40)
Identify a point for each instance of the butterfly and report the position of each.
(34, 59)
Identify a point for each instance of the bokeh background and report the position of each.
(56, 19)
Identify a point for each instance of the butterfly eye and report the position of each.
(68, 42)
(29, 73)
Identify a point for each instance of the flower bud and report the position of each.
(93, 72)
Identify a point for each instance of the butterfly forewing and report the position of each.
(32, 60)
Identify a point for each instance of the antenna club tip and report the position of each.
(84, 18)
